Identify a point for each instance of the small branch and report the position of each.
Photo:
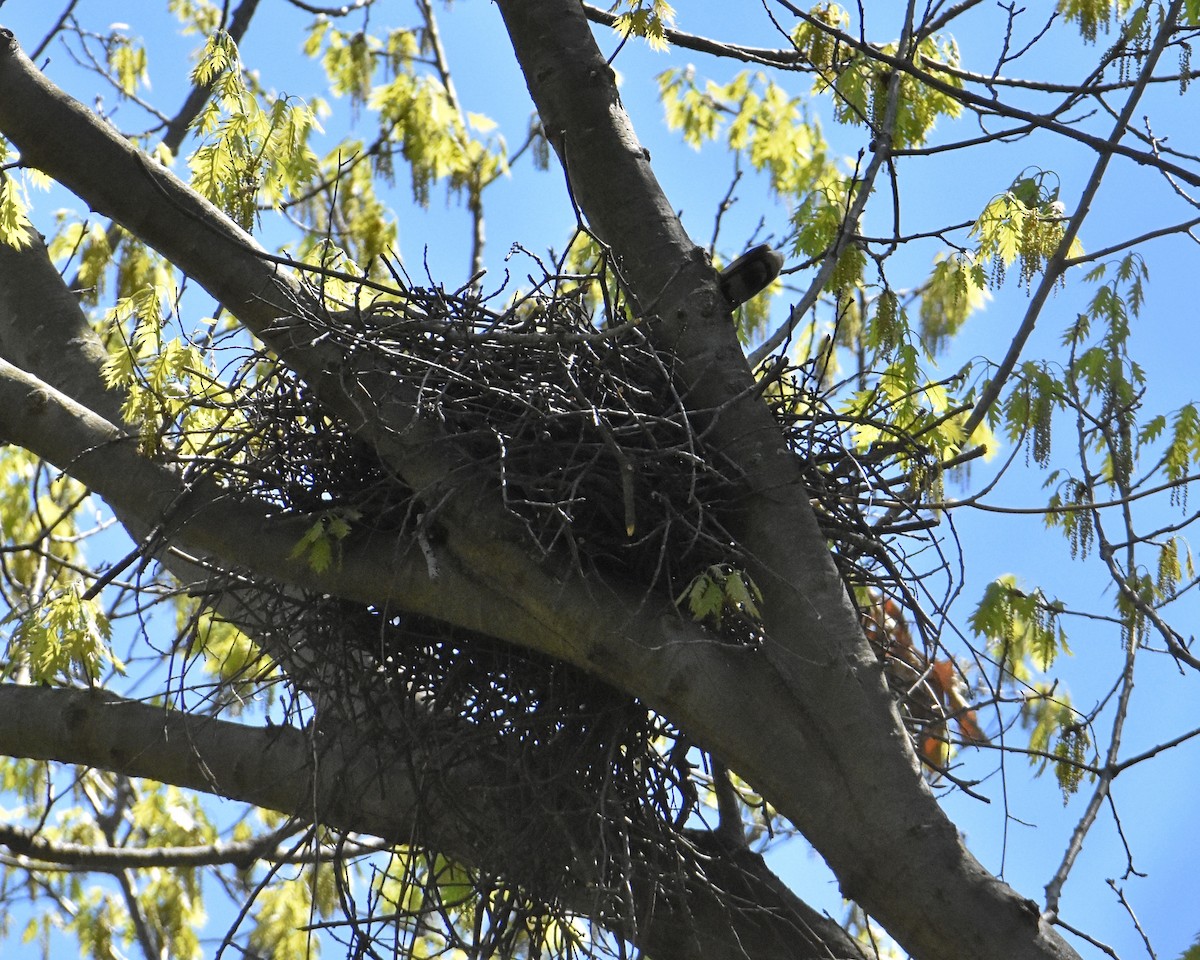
(340, 11)
(54, 30)
(243, 855)
(881, 145)
(1058, 262)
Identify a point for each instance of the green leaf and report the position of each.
(648, 20)
(1093, 16)
(14, 215)
(128, 63)
(1022, 628)
(67, 636)
(1192, 952)
(719, 591)
(319, 544)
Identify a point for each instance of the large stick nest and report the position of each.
(579, 423)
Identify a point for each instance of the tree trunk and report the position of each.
(819, 736)
(836, 761)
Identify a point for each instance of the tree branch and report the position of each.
(735, 907)
(191, 512)
(1057, 263)
(89, 857)
(831, 715)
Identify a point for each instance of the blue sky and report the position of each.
(1026, 827)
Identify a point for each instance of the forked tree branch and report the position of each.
(830, 714)
(836, 762)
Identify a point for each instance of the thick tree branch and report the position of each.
(735, 908)
(836, 753)
(860, 800)
(43, 330)
(61, 137)
(193, 513)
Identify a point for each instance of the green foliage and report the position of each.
(128, 63)
(88, 244)
(364, 226)
(1020, 627)
(415, 110)
(228, 655)
(904, 407)
(140, 272)
(819, 223)
(257, 156)
(168, 900)
(37, 513)
(719, 592)
(1183, 448)
(649, 20)
(283, 913)
(66, 637)
(1023, 631)
(862, 85)
(1093, 16)
(862, 89)
(350, 59)
(815, 39)
(14, 214)
(196, 16)
(1059, 737)
(416, 886)
(1171, 569)
(1030, 407)
(171, 387)
(320, 544)
(1104, 372)
(956, 288)
(258, 149)
(695, 112)
(434, 138)
(761, 120)
(1070, 508)
(1024, 225)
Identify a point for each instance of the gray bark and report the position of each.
(734, 908)
(837, 762)
(819, 738)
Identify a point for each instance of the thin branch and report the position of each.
(1056, 265)
(241, 854)
(54, 30)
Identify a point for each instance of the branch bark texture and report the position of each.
(734, 907)
(819, 737)
(868, 811)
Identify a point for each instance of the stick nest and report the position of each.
(580, 427)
